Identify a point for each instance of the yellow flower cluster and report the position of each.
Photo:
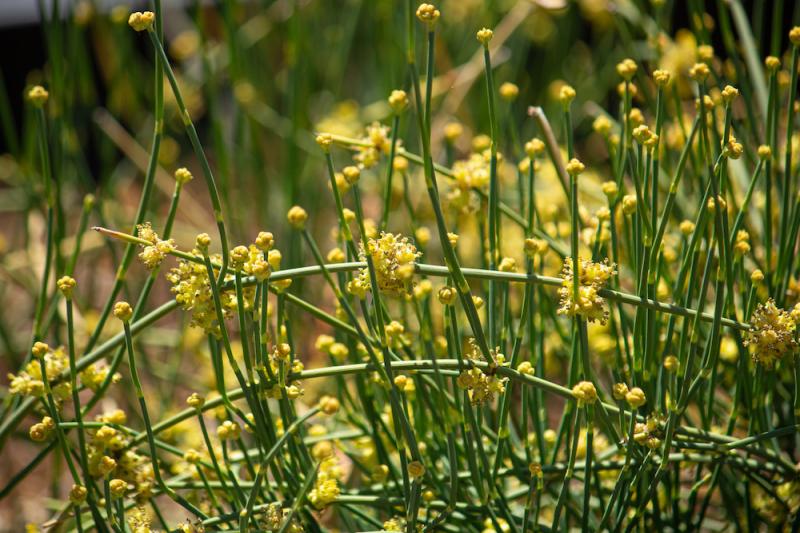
(771, 336)
(154, 253)
(377, 141)
(592, 278)
(30, 382)
(95, 374)
(139, 520)
(282, 363)
(396, 523)
(274, 517)
(192, 290)
(481, 385)
(393, 257)
(648, 434)
(326, 486)
(109, 454)
(468, 174)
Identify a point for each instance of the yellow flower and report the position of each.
(771, 334)
(376, 142)
(154, 253)
(393, 257)
(592, 278)
(30, 381)
(326, 485)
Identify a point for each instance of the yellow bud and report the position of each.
(336, 255)
(635, 397)
(329, 405)
(699, 72)
(705, 53)
(123, 311)
(662, 77)
(794, 35)
(77, 495)
(325, 140)
(602, 125)
(575, 167)
(509, 91)
(585, 392)
(452, 131)
(183, 176)
(566, 95)
(401, 381)
(534, 147)
(729, 93)
(447, 295)
(40, 349)
(772, 63)
(297, 217)
(38, 95)
(428, 14)
(398, 101)
(195, 400)
(66, 284)
(264, 241)
(619, 390)
(351, 174)
(416, 469)
(610, 189)
(239, 255)
(526, 368)
(627, 68)
(507, 264)
(485, 35)
(141, 21)
(629, 204)
(117, 487)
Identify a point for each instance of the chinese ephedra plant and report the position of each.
(498, 333)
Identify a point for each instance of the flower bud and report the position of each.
(485, 35)
(398, 101)
(183, 176)
(416, 469)
(635, 397)
(509, 91)
(123, 311)
(66, 284)
(329, 405)
(627, 69)
(141, 21)
(297, 217)
(38, 95)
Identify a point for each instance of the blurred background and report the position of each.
(260, 77)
